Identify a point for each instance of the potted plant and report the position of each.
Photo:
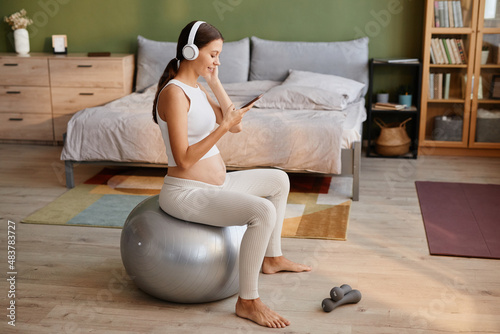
(404, 92)
(383, 96)
(485, 52)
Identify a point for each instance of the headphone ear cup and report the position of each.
(190, 52)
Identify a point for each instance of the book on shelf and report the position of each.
(446, 86)
(387, 106)
(448, 14)
(479, 88)
(461, 50)
(396, 60)
(448, 51)
(439, 86)
(431, 86)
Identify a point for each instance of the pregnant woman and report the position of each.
(197, 187)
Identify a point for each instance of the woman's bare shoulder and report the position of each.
(171, 92)
(172, 95)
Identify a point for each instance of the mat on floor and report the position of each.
(461, 219)
(318, 207)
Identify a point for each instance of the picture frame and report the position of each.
(60, 44)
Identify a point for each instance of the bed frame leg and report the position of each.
(70, 177)
(355, 170)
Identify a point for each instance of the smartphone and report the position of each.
(249, 103)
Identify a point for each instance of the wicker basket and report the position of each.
(393, 139)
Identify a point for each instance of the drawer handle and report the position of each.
(13, 92)
(15, 119)
(84, 66)
(10, 64)
(89, 94)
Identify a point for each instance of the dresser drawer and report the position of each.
(26, 126)
(70, 100)
(24, 71)
(25, 99)
(86, 73)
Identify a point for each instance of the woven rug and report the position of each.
(318, 207)
(461, 219)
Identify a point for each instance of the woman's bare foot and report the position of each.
(258, 312)
(272, 265)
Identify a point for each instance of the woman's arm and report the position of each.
(173, 106)
(222, 97)
(219, 115)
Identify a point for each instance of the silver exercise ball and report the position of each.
(180, 261)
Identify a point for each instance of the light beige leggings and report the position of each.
(256, 198)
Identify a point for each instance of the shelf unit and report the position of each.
(415, 70)
(451, 125)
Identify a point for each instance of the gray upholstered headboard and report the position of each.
(267, 60)
(272, 60)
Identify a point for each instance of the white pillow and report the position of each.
(301, 97)
(333, 83)
(309, 90)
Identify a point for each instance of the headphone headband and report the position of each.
(190, 50)
(192, 33)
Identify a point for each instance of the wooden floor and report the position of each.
(71, 279)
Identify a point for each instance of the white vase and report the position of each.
(484, 56)
(22, 41)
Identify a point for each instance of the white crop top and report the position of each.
(201, 120)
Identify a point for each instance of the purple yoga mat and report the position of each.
(461, 219)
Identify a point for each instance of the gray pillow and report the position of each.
(153, 57)
(272, 60)
(235, 61)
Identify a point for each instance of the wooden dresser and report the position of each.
(40, 93)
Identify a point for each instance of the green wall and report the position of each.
(394, 26)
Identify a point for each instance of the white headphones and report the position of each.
(190, 50)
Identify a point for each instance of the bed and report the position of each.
(309, 119)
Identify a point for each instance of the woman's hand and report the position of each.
(232, 117)
(212, 78)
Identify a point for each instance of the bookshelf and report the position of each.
(409, 69)
(460, 100)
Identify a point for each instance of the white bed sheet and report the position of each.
(309, 140)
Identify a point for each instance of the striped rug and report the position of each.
(318, 207)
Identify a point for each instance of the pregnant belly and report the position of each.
(211, 170)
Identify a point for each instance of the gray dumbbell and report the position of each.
(338, 293)
(352, 297)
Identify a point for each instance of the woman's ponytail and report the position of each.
(169, 73)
